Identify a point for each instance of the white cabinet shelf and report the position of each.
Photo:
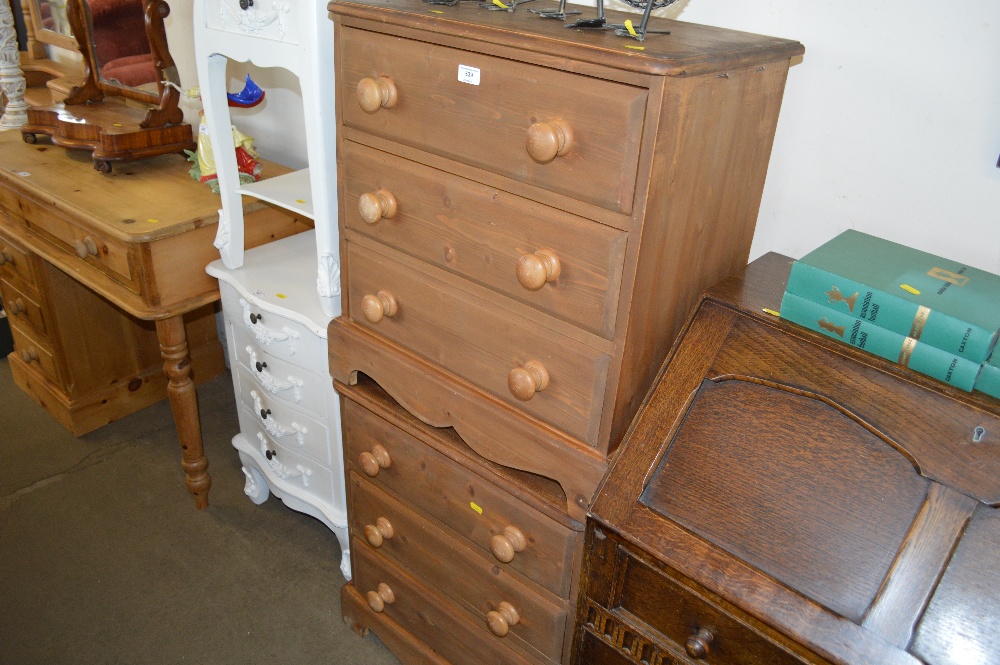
(292, 191)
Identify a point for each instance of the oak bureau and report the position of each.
(527, 213)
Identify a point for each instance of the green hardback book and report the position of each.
(883, 342)
(939, 302)
(989, 377)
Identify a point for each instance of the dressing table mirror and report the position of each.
(126, 108)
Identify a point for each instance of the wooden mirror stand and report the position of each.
(115, 121)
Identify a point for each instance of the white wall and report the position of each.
(890, 123)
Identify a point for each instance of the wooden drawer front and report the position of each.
(34, 352)
(287, 461)
(274, 334)
(482, 343)
(473, 508)
(466, 576)
(23, 308)
(279, 378)
(294, 430)
(487, 125)
(261, 20)
(482, 233)
(423, 613)
(16, 263)
(672, 608)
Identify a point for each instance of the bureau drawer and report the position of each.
(261, 20)
(287, 462)
(15, 262)
(480, 342)
(279, 378)
(468, 577)
(291, 429)
(571, 267)
(484, 514)
(22, 307)
(423, 613)
(276, 335)
(33, 351)
(487, 125)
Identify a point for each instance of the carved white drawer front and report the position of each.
(255, 18)
(291, 428)
(275, 334)
(288, 465)
(299, 386)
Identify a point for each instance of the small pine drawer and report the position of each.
(497, 525)
(277, 21)
(292, 429)
(23, 308)
(16, 263)
(279, 378)
(32, 351)
(536, 621)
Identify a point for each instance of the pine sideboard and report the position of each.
(784, 498)
(527, 214)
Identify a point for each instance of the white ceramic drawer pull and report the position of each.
(502, 618)
(548, 140)
(374, 461)
(85, 247)
(697, 645)
(524, 382)
(375, 94)
(505, 545)
(6, 256)
(378, 533)
(28, 355)
(376, 205)
(534, 270)
(377, 600)
(379, 306)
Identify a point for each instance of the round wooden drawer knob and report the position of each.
(697, 645)
(17, 307)
(377, 93)
(505, 545)
(379, 306)
(85, 247)
(378, 533)
(374, 461)
(6, 256)
(376, 205)
(548, 140)
(524, 382)
(534, 270)
(502, 618)
(377, 600)
(28, 355)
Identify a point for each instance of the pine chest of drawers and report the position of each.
(527, 212)
(783, 498)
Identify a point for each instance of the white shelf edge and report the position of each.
(292, 191)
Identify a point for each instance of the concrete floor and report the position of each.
(104, 558)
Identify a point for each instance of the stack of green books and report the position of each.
(931, 314)
(989, 377)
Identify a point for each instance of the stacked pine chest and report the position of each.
(527, 214)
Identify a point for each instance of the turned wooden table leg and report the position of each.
(184, 404)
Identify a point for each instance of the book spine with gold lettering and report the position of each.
(883, 342)
(907, 318)
(989, 378)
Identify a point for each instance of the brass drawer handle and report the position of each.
(377, 205)
(505, 545)
(6, 256)
(548, 140)
(524, 382)
(378, 533)
(374, 461)
(29, 355)
(502, 618)
(379, 306)
(85, 247)
(534, 270)
(375, 94)
(697, 645)
(377, 600)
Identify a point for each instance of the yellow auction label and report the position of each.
(500, 4)
(475, 507)
(768, 310)
(909, 289)
(635, 48)
(628, 26)
(281, 295)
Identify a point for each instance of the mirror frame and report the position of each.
(32, 11)
(165, 100)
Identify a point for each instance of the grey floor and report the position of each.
(104, 558)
